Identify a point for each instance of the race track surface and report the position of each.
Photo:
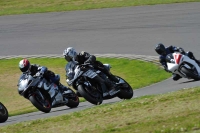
(133, 30)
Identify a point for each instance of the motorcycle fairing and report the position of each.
(177, 58)
(49, 87)
(90, 74)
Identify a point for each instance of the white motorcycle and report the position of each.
(183, 65)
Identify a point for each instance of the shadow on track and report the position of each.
(188, 81)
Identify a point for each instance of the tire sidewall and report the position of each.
(83, 92)
(4, 117)
(189, 73)
(123, 94)
(34, 101)
(73, 103)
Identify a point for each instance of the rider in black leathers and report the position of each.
(164, 51)
(26, 67)
(84, 58)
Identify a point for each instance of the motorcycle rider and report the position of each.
(83, 57)
(33, 69)
(164, 51)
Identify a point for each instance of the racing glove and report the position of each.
(181, 50)
(42, 70)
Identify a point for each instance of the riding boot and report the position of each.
(64, 89)
(109, 84)
(102, 84)
(112, 86)
(197, 61)
(78, 94)
(60, 86)
(191, 55)
(113, 78)
(176, 77)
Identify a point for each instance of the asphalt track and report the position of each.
(132, 30)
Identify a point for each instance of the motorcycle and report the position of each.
(3, 113)
(43, 94)
(81, 79)
(183, 65)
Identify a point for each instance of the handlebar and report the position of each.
(85, 65)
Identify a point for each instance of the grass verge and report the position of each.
(137, 73)
(167, 113)
(10, 7)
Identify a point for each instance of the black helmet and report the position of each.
(160, 49)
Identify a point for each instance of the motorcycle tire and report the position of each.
(40, 105)
(3, 113)
(125, 92)
(190, 73)
(94, 98)
(73, 100)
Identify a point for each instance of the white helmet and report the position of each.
(24, 65)
(70, 54)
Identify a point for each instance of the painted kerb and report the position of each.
(153, 59)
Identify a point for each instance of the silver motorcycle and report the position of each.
(80, 77)
(43, 94)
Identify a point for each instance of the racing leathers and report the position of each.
(86, 58)
(48, 75)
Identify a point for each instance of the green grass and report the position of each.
(9, 7)
(136, 73)
(167, 113)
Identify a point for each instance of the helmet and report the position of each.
(24, 65)
(70, 54)
(160, 49)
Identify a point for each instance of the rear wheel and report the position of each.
(73, 100)
(126, 91)
(91, 95)
(3, 113)
(41, 104)
(190, 73)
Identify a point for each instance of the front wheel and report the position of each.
(3, 113)
(42, 104)
(190, 73)
(91, 95)
(126, 91)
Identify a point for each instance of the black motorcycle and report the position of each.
(3, 113)
(45, 95)
(81, 79)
